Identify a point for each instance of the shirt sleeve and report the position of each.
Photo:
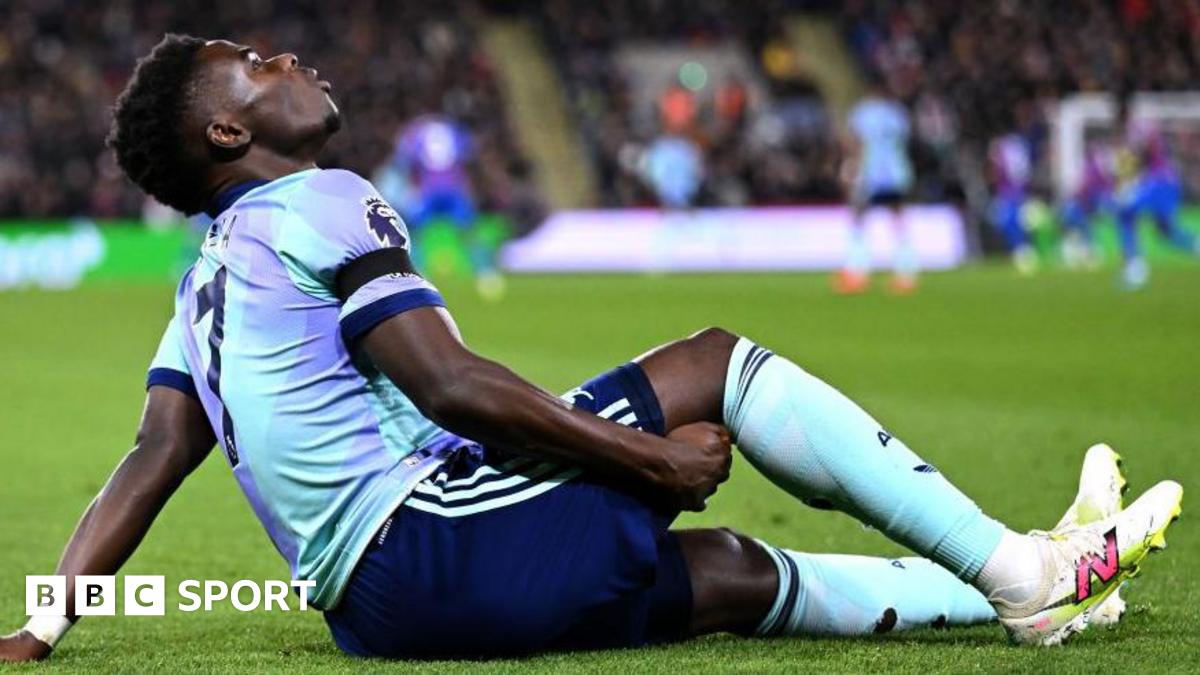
(335, 218)
(169, 367)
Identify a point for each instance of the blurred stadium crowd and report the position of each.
(990, 58)
(972, 73)
(62, 64)
(746, 126)
(752, 151)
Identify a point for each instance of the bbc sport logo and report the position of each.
(145, 595)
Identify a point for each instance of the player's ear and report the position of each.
(227, 135)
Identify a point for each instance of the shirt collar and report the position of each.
(229, 195)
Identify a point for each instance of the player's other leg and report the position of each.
(904, 262)
(855, 275)
(1007, 214)
(746, 586)
(1164, 200)
(1078, 249)
(1134, 200)
(815, 443)
(848, 595)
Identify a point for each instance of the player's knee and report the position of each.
(720, 543)
(713, 340)
(723, 561)
(734, 580)
(740, 548)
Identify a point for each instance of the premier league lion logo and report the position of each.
(383, 222)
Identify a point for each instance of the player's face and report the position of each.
(282, 103)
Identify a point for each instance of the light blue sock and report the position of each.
(906, 261)
(858, 255)
(815, 443)
(849, 595)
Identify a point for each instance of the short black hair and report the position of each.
(145, 132)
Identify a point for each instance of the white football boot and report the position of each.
(1084, 564)
(1101, 489)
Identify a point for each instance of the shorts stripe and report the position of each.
(433, 490)
(483, 474)
(420, 502)
(517, 479)
(618, 406)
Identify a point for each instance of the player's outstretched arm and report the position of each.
(174, 437)
(421, 352)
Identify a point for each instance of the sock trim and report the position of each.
(733, 380)
(778, 617)
(752, 357)
(968, 545)
(758, 356)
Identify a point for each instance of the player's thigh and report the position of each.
(678, 383)
(734, 582)
(688, 376)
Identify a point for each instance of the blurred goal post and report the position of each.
(1084, 117)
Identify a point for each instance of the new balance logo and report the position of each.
(1105, 568)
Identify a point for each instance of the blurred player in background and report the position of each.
(880, 175)
(674, 168)
(428, 172)
(1010, 167)
(1148, 183)
(1092, 197)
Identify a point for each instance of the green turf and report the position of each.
(1001, 382)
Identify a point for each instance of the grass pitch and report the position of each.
(1001, 382)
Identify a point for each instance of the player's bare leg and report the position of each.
(748, 587)
(688, 376)
(734, 581)
(855, 275)
(822, 448)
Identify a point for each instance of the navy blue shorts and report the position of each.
(499, 554)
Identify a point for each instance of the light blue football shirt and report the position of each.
(323, 445)
(882, 128)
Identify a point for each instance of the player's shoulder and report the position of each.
(864, 115)
(335, 184)
(328, 196)
(338, 211)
